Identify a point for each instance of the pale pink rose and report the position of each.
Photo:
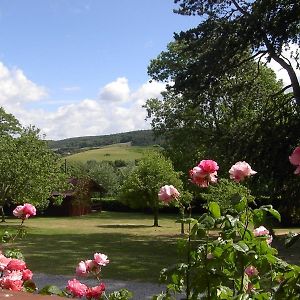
(295, 160)
(261, 230)
(24, 211)
(13, 285)
(270, 239)
(89, 264)
(100, 259)
(13, 275)
(205, 173)
(27, 274)
(4, 261)
(240, 170)
(81, 269)
(251, 271)
(18, 211)
(250, 288)
(209, 256)
(76, 288)
(16, 265)
(95, 292)
(167, 193)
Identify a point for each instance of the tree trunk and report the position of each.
(2, 214)
(155, 213)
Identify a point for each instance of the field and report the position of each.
(137, 251)
(111, 153)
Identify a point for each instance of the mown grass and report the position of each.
(137, 251)
(110, 153)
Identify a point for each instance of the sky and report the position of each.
(79, 67)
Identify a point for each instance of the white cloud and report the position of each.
(116, 109)
(16, 89)
(282, 73)
(116, 91)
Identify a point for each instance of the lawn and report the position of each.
(137, 251)
(110, 153)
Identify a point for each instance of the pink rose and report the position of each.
(251, 271)
(209, 256)
(95, 292)
(76, 288)
(240, 170)
(13, 275)
(16, 265)
(9, 284)
(100, 259)
(205, 173)
(27, 274)
(81, 269)
(295, 160)
(29, 210)
(167, 193)
(4, 261)
(261, 230)
(89, 264)
(24, 211)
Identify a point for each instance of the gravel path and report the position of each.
(140, 290)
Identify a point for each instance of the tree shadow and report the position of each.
(123, 226)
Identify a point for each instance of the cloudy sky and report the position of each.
(79, 67)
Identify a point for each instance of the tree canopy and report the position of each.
(29, 170)
(228, 31)
(141, 187)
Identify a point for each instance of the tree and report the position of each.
(233, 120)
(228, 29)
(141, 187)
(9, 125)
(105, 174)
(29, 170)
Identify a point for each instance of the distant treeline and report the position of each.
(136, 138)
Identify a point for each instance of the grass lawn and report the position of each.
(111, 153)
(137, 251)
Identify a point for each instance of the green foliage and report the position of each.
(216, 268)
(29, 169)
(235, 117)
(141, 187)
(231, 28)
(228, 194)
(106, 175)
(122, 294)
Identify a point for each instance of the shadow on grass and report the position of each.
(124, 226)
(131, 257)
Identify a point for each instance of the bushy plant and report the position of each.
(237, 261)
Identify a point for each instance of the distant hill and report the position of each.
(77, 144)
(123, 151)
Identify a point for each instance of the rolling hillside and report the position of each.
(73, 145)
(114, 152)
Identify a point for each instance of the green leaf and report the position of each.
(122, 294)
(241, 247)
(30, 286)
(214, 208)
(51, 290)
(272, 211)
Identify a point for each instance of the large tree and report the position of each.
(228, 29)
(236, 119)
(29, 170)
(141, 188)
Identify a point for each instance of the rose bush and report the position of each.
(15, 276)
(237, 261)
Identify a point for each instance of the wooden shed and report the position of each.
(77, 200)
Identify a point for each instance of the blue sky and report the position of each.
(79, 67)
(61, 57)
